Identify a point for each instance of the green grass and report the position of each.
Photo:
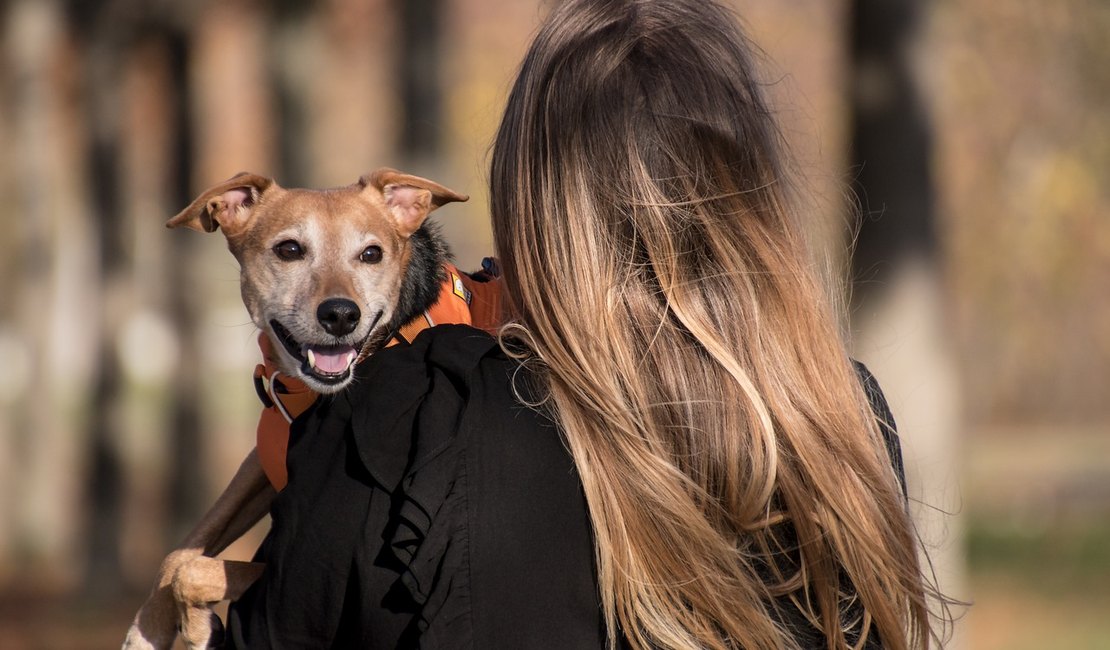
(1072, 557)
(1038, 586)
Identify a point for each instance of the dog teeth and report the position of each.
(330, 363)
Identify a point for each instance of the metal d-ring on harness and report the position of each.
(269, 389)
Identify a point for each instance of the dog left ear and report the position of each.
(409, 198)
(228, 204)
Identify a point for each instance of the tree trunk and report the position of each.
(104, 481)
(419, 63)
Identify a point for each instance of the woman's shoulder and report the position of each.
(455, 349)
(450, 368)
(452, 395)
(407, 401)
(485, 480)
(885, 419)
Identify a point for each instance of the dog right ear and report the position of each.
(228, 204)
(409, 198)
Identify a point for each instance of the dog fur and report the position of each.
(329, 276)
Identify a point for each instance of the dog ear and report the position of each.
(228, 204)
(409, 198)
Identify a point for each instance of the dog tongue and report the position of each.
(331, 360)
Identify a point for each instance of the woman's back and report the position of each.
(428, 507)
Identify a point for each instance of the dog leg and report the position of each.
(243, 503)
(201, 583)
(155, 625)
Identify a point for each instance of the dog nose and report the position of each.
(338, 316)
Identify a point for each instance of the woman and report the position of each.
(668, 446)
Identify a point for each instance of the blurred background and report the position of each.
(970, 137)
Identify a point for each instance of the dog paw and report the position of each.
(137, 640)
(155, 625)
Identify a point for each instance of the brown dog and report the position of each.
(328, 276)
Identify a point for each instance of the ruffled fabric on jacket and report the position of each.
(391, 441)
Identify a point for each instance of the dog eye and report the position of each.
(289, 250)
(372, 255)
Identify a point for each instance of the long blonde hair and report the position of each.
(732, 466)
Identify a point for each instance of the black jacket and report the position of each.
(427, 508)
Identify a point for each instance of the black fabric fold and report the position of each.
(418, 463)
(302, 556)
(448, 358)
(887, 427)
(384, 449)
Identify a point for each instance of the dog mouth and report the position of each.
(329, 364)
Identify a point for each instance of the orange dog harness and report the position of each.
(462, 300)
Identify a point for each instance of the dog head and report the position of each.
(320, 270)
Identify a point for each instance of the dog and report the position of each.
(328, 277)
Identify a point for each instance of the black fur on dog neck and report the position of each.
(423, 276)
